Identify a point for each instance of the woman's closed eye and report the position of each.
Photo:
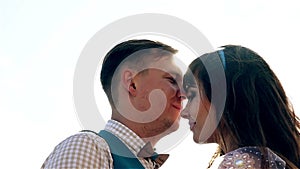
(190, 95)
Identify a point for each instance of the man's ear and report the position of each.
(128, 81)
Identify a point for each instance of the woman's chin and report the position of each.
(196, 139)
(199, 140)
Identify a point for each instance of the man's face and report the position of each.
(159, 86)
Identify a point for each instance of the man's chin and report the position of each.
(174, 127)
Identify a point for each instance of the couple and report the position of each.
(250, 119)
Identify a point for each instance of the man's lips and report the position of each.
(177, 106)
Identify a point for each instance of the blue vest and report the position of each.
(123, 158)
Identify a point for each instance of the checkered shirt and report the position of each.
(86, 150)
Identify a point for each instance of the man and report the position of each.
(143, 86)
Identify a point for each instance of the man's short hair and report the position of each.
(122, 51)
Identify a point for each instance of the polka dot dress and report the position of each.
(251, 158)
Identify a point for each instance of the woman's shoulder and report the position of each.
(250, 157)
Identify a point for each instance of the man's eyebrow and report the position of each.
(174, 74)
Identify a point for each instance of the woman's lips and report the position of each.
(192, 125)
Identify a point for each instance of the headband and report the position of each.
(222, 57)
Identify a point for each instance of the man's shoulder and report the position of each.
(81, 150)
(85, 138)
(82, 141)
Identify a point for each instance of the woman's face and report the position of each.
(197, 112)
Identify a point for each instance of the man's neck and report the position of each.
(152, 140)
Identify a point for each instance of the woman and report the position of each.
(250, 117)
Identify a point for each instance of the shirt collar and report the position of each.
(127, 136)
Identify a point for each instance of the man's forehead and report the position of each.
(167, 65)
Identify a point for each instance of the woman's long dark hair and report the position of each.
(257, 111)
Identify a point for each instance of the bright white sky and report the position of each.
(40, 42)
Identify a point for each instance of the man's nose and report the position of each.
(181, 94)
